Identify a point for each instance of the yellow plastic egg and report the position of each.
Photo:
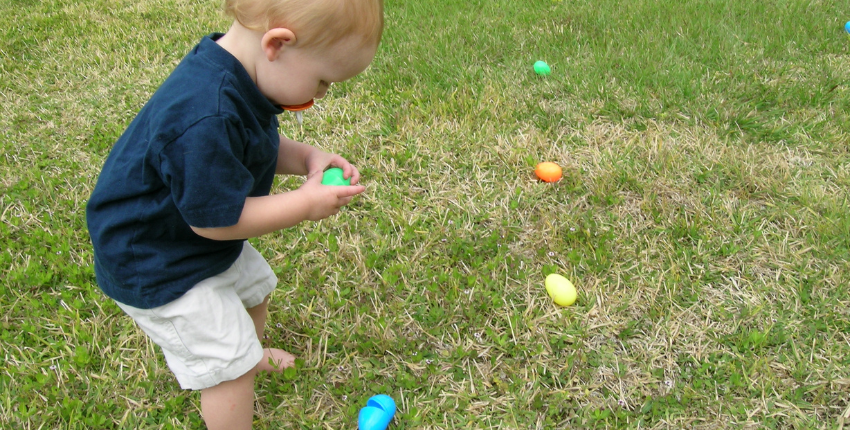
(561, 290)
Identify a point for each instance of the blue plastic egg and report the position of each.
(377, 414)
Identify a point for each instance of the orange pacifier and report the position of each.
(298, 109)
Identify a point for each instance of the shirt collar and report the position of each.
(260, 105)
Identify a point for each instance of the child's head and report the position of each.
(317, 23)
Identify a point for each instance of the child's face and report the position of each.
(299, 75)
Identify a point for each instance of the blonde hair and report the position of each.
(314, 22)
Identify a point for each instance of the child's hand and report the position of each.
(326, 200)
(318, 161)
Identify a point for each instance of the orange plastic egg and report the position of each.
(548, 171)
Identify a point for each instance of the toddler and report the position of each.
(190, 180)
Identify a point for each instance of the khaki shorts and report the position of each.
(206, 335)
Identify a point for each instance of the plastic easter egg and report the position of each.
(561, 290)
(541, 68)
(548, 171)
(847, 26)
(377, 414)
(333, 176)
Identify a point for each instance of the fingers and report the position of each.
(348, 169)
(351, 172)
(329, 199)
(314, 177)
(345, 194)
(349, 191)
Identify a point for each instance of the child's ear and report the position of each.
(275, 40)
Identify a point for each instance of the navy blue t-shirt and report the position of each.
(205, 141)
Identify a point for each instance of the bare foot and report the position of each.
(275, 360)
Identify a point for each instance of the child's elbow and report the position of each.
(212, 233)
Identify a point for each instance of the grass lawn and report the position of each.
(703, 217)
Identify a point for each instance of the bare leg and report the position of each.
(230, 404)
(274, 359)
(258, 314)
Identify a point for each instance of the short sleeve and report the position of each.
(203, 169)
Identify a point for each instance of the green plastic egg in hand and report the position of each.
(333, 176)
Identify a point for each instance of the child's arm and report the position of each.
(262, 215)
(312, 201)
